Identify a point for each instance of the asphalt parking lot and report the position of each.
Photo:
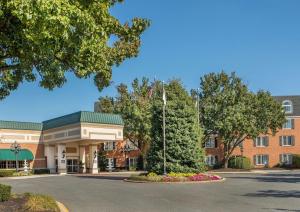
(240, 192)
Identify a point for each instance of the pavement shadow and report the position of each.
(281, 209)
(118, 178)
(270, 179)
(275, 193)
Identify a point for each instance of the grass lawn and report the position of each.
(29, 202)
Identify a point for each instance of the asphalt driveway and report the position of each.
(240, 192)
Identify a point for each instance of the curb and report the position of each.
(257, 172)
(187, 182)
(62, 207)
(30, 177)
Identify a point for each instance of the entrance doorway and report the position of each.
(72, 166)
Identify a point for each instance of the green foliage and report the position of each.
(41, 171)
(229, 109)
(49, 38)
(5, 192)
(296, 161)
(7, 172)
(183, 135)
(239, 162)
(39, 202)
(135, 107)
(102, 161)
(173, 174)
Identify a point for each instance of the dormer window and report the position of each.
(287, 106)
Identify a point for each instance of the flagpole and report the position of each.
(164, 128)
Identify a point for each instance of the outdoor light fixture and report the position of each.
(95, 154)
(16, 148)
(63, 154)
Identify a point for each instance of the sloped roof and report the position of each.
(17, 125)
(78, 117)
(83, 117)
(295, 101)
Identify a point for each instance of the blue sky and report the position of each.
(259, 39)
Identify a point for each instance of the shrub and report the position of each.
(152, 174)
(296, 161)
(7, 172)
(239, 162)
(41, 171)
(22, 173)
(38, 202)
(5, 192)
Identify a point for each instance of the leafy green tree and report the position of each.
(45, 39)
(234, 113)
(183, 134)
(134, 106)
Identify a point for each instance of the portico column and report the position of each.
(82, 155)
(61, 159)
(49, 152)
(93, 153)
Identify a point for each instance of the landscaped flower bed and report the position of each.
(176, 177)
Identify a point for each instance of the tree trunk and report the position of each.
(226, 163)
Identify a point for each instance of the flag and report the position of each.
(164, 96)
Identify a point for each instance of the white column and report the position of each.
(82, 155)
(93, 153)
(49, 152)
(61, 158)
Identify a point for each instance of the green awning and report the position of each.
(24, 154)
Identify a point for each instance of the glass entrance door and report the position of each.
(72, 166)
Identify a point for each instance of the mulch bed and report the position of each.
(13, 205)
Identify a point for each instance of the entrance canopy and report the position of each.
(24, 154)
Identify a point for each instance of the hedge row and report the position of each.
(7, 172)
(5, 192)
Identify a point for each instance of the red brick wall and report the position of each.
(37, 151)
(273, 150)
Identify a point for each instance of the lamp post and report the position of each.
(16, 148)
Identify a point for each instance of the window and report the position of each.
(130, 146)
(261, 160)
(287, 140)
(286, 159)
(108, 146)
(11, 164)
(211, 143)
(110, 163)
(3, 164)
(210, 160)
(262, 141)
(132, 162)
(289, 124)
(287, 106)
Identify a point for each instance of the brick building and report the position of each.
(266, 150)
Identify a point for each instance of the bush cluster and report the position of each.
(41, 171)
(7, 172)
(5, 192)
(296, 161)
(239, 162)
(38, 202)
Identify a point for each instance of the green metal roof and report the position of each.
(20, 125)
(24, 154)
(78, 117)
(83, 117)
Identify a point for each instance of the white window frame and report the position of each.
(210, 143)
(286, 139)
(260, 142)
(261, 159)
(109, 146)
(130, 146)
(134, 160)
(286, 159)
(287, 106)
(210, 160)
(288, 124)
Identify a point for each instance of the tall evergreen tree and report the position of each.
(183, 134)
